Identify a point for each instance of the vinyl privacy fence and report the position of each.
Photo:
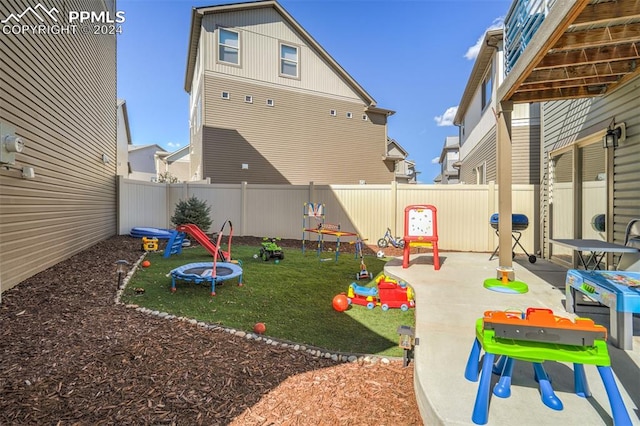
(463, 211)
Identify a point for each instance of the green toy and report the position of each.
(270, 249)
(503, 285)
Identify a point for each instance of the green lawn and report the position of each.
(293, 298)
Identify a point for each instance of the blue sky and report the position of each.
(412, 56)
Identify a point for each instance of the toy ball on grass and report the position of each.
(145, 263)
(259, 328)
(380, 254)
(340, 303)
(255, 256)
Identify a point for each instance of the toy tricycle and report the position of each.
(270, 249)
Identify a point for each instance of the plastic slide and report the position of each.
(196, 233)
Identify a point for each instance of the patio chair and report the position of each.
(631, 261)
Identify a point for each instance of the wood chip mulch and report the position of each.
(70, 356)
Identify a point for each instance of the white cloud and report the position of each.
(446, 119)
(472, 52)
(173, 145)
(435, 160)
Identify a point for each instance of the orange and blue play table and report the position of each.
(510, 349)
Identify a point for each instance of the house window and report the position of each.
(229, 46)
(288, 61)
(333, 112)
(487, 89)
(248, 99)
(349, 115)
(270, 102)
(225, 95)
(364, 117)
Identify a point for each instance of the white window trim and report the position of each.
(248, 99)
(218, 44)
(281, 59)
(365, 117)
(349, 115)
(270, 102)
(225, 95)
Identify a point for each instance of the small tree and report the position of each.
(167, 177)
(193, 211)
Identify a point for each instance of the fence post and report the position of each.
(243, 208)
(491, 205)
(312, 192)
(393, 189)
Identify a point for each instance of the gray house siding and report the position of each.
(294, 141)
(59, 93)
(567, 122)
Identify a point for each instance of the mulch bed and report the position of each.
(70, 356)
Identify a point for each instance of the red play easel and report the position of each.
(420, 230)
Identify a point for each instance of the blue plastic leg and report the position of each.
(499, 365)
(481, 407)
(471, 371)
(502, 389)
(620, 414)
(580, 381)
(549, 397)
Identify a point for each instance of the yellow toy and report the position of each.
(149, 244)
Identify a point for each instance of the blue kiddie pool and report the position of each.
(206, 272)
(150, 233)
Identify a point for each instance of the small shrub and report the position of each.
(167, 177)
(193, 211)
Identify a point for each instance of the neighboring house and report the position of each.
(404, 169)
(124, 140)
(58, 95)
(477, 122)
(449, 161)
(176, 164)
(269, 105)
(143, 162)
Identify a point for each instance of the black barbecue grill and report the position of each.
(519, 223)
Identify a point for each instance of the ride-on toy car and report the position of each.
(270, 249)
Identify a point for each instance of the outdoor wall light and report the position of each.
(613, 136)
(407, 342)
(121, 269)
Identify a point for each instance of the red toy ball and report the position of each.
(145, 263)
(259, 328)
(340, 303)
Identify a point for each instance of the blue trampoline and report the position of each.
(211, 272)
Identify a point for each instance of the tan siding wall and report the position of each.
(295, 141)
(526, 154)
(59, 92)
(261, 31)
(484, 152)
(277, 210)
(566, 122)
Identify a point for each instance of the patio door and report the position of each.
(577, 196)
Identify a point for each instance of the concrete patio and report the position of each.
(448, 303)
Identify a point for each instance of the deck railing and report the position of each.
(522, 22)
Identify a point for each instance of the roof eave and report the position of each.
(477, 72)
